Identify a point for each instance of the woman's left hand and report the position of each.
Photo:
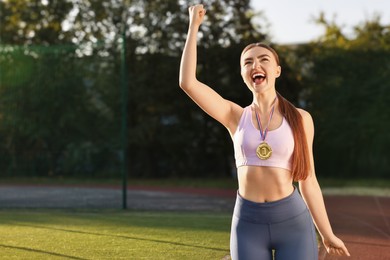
(335, 246)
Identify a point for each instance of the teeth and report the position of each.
(258, 75)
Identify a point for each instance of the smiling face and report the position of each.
(259, 68)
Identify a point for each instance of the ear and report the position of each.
(278, 71)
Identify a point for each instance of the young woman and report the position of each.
(273, 148)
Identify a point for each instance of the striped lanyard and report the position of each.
(263, 134)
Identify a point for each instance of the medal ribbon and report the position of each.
(263, 134)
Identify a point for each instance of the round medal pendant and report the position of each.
(264, 151)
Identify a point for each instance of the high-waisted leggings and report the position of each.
(284, 226)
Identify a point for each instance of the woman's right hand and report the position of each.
(197, 13)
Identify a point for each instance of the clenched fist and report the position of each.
(197, 13)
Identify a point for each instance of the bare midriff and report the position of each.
(264, 184)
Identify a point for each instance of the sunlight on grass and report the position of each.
(43, 234)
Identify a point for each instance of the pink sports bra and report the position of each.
(247, 138)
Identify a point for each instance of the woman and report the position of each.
(273, 148)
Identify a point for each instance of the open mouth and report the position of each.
(258, 78)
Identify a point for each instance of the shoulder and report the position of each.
(307, 120)
(305, 115)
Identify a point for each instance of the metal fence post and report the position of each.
(124, 126)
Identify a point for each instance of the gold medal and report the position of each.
(264, 151)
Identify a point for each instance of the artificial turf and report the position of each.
(108, 234)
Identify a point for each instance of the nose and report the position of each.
(256, 64)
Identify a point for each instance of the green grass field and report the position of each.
(112, 234)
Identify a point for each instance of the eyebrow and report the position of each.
(259, 57)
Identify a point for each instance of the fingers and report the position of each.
(198, 10)
(336, 246)
(345, 251)
(197, 13)
(333, 251)
(341, 251)
(196, 7)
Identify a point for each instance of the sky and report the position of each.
(292, 21)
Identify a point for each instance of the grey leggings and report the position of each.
(284, 226)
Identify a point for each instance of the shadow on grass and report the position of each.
(40, 251)
(125, 237)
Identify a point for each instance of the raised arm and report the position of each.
(311, 193)
(224, 111)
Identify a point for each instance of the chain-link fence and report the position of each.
(60, 111)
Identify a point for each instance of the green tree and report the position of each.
(49, 110)
(59, 103)
(32, 22)
(346, 85)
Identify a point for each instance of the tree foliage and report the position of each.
(51, 107)
(347, 90)
(32, 22)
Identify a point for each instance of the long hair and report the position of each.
(300, 157)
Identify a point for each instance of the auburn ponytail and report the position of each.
(300, 158)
